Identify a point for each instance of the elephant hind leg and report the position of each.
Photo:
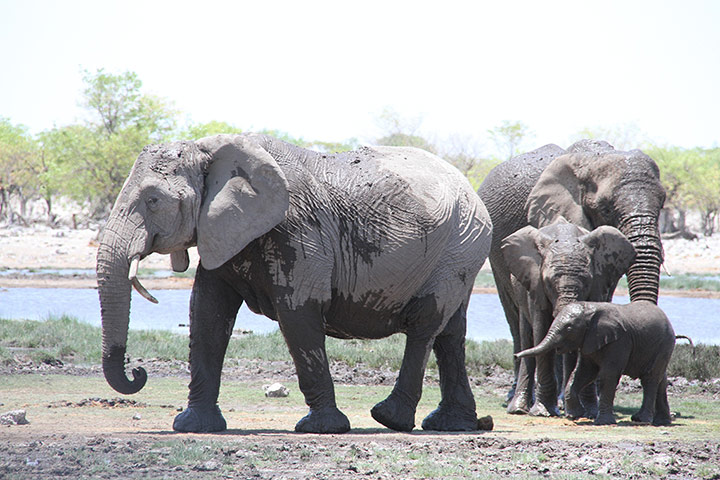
(662, 407)
(423, 320)
(305, 337)
(456, 411)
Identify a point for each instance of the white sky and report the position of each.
(326, 70)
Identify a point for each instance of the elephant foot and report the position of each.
(642, 416)
(519, 405)
(542, 410)
(451, 419)
(660, 421)
(200, 420)
(607, 419)
(394, 414)
(323, 420)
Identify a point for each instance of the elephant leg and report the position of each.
(213, 307)
(456, 411)
(546, 387)
(587, 397)
(608, 380)
(512, 315)
(647, 410)
(582, 375)
(662, 407)
(523, 397)
(397, 411)
(304, 334)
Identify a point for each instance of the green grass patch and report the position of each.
(485, 280)
(709, 282)
(66, 339)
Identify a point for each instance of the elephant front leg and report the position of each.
(608, 382)
(546, 404)
(213, 308)
(523, 397)
(584, 373)
(456, 411)
(304, 334)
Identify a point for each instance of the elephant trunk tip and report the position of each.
(114, 371)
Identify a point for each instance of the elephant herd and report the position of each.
(383, 240)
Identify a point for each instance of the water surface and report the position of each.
(698, 318)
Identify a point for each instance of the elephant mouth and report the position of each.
(135, 281)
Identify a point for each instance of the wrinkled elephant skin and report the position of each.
(361, 244)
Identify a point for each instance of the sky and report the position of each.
(327, 70)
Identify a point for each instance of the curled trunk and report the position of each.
(114, 289)
(549, 343)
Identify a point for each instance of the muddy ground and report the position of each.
(112, 437)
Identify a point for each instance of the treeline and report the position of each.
(88, 162)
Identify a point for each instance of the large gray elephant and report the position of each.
(590, 184)
(636, 339)
(362, 244)
(554, 266)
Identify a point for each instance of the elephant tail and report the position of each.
(689, 340)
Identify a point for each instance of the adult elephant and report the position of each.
(557, 265)
(362, 244)
(590, 184)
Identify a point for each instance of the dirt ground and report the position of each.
(130, 437)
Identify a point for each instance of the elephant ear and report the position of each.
(558, 192)
(246, 196)
(604, 327)
(612, 255)
(523, 254)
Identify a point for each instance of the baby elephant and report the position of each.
(634, 339)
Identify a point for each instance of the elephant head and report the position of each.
(218, 193)
(579, 326)
(563, 263)
(593, 185)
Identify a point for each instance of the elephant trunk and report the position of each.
(644, 274)
(114, 289)
(551, 341)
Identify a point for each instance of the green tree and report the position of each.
(622, 137)
(19, 165)
(509, 137)
(201, 130)
(93, 159)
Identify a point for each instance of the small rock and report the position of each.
(276, 390)
(137, 416)
(209, 466)
(13, 417)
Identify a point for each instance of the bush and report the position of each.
(700, 363)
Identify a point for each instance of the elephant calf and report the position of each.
(636, 339)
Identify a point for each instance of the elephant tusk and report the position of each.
(132, 276)
(134, 263)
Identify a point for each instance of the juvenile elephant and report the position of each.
(554, 266)
(590, 184)
(362, 244)
(636, 339)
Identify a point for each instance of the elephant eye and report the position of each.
(152, 202)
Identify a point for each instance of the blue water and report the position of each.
(698, 318)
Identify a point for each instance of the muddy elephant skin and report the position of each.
(361, 244)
